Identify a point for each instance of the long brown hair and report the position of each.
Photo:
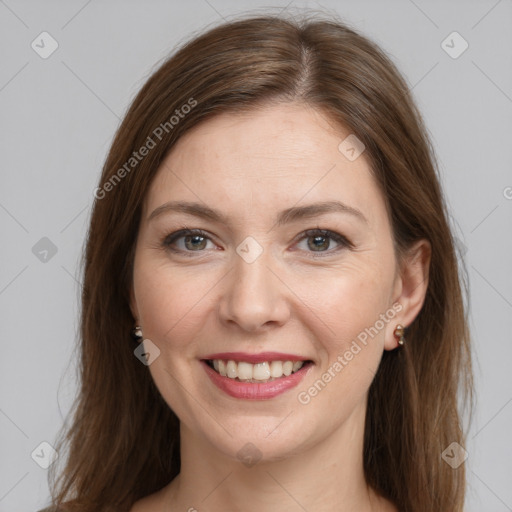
(123, 442)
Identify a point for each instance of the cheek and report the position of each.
(171, 300)
(351, 347)
(347, 297)
(348, 305)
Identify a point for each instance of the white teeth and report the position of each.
(276, 369)
(244, 371)
(261, 372)
(297, 366)
(287, 368)
(231, 370)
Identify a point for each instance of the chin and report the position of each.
(259, 439)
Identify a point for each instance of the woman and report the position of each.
(270, 228)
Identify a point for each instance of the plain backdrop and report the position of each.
(58, 115)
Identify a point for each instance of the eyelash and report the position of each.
(336, 237)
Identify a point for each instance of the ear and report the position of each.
(410, 288)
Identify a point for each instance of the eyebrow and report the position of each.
(287, 216)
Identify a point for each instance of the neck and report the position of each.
(327, 476)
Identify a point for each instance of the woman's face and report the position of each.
(264, 285)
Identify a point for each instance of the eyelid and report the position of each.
(337, 237)
(181, 233)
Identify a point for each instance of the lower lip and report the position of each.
(249, 391)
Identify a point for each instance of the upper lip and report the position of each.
(255, 358)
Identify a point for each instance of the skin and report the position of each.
(291, 299)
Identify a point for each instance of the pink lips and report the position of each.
(255, 391)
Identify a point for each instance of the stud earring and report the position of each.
(399, 333)
(137, 333)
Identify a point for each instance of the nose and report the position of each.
(254, 296)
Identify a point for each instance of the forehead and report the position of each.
(269, 158)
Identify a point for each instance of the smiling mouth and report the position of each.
(258, 373)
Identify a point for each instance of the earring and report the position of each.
(137, 333)
(399, 333)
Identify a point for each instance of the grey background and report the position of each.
(58, 117)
